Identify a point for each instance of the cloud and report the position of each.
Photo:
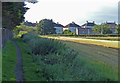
(66, 11)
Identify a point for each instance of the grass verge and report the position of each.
(29, 67)
(9, 61)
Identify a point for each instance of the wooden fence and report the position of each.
(6, 35)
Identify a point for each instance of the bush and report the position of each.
(56, 62)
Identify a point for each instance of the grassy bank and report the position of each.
(9, 62)
(51, 60)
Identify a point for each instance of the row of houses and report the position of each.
(73, 27)
(83, 29)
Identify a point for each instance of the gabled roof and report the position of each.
(57, 25)
(89, 24)
(111, 23)
(30, 24)
(72, 25)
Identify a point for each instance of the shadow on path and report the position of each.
(19, 70)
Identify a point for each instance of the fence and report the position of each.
(6, 35)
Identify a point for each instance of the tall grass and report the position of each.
(9, 62)
(56, 62)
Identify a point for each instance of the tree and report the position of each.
(68, 32)
(103, 29)
(118, 29)
(45, 27)
(13, 14)
(23, 27)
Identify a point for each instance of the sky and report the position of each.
(78, 11)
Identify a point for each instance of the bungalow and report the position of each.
(112, 26)
(58, 27)
(73, 27)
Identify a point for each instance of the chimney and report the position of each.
(87, 21)
(57, 22)
(73, 22)
(93, 21)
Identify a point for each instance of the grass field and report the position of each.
(105, 43)
(103, 38)
(9, 62)
(106, 58)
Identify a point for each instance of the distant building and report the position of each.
(30, 24)
(87, 28)
(88, 24)
(73, 27)
(112, 26)
(86, 31)
(58, 27)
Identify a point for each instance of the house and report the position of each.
(73, 27)
(87, 28)
(30, 24)
(88, 24)
(112, 26)
(85, 31)
(58, 27)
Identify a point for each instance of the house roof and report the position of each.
(89, 24)
(111, 23)
(58, 25)
(30, 24)
(72, 25)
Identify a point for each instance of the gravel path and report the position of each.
(19, 70)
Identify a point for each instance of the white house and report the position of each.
(58, 27)
(72, 27)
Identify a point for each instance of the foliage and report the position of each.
(56, 62)
(118, 29)
(23, 27)
(8, 62)
(45, 27)
(13, 14)
(103, 29)
(68, 32)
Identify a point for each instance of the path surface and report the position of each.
(19, 70)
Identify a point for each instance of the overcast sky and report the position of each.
(79, 11)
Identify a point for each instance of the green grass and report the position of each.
(113, 44)
(29, 67)
(103, 38)
(9, 62)
(62, 63)
(98, 58)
